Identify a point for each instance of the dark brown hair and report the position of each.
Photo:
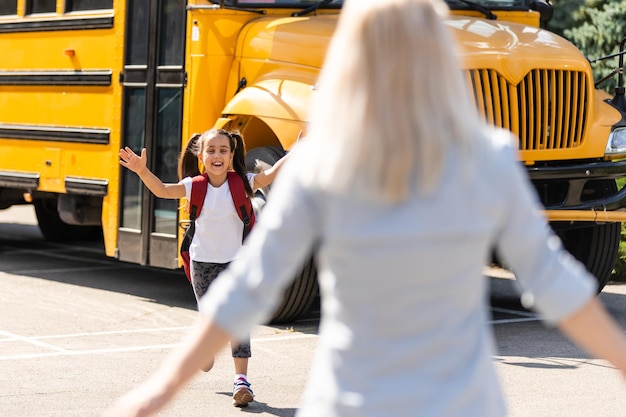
(188, 162)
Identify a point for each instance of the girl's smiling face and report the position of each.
(217, 156)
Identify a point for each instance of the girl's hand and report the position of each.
(132, 161)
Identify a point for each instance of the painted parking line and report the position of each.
(115, 332)
(87, 352)
(524, 316)
(57, 352)
(64, 270)
(12, 337)
(520, 320)
(516, 312)
(64, 253)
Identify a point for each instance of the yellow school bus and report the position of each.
(81, 78)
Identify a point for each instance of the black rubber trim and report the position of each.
(582, 170)
(86, 186)
(28, 181)
(53, 78)
(56, 24)
(58, 134)
(576, 175)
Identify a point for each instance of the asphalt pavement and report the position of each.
(77, 329)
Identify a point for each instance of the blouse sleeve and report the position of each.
(553, 282)
(247, 292)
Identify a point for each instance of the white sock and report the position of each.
(241, 376)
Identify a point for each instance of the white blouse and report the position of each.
(404, 328)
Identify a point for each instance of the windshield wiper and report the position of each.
(221, 5)
(311, 8)
(479, 7)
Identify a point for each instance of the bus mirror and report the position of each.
(545, 9)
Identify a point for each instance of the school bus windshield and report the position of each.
(490, 4)
(334, 4)
(282, 3)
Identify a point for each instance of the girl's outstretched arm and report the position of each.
(137, 164)
(266, 177)
(203, 342)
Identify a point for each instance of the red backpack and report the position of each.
(243, 205)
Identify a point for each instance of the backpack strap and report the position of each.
(243, 205)
(199, 185)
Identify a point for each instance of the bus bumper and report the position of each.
(581, 192)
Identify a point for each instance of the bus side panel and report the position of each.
(60, 102)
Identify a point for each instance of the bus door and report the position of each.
(153, 82)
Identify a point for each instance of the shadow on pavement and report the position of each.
(532, 343)
(23, 251)
(257, 407)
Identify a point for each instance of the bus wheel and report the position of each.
(54, 229)
(595, 245)
(299, 296)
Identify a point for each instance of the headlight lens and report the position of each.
(617, 142)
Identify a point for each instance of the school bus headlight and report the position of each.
(617, 142)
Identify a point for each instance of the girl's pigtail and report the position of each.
(239, 160)
(188, 161)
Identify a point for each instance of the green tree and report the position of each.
(563, 17)
(596, 27)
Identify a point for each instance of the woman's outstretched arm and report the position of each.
(201, 345)
(594, 330)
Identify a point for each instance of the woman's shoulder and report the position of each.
(500, 145)
(500, 139)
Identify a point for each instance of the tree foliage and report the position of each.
(596, 27)
(563, 15)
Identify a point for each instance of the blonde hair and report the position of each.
(392, 99)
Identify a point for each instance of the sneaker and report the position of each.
(242, 393)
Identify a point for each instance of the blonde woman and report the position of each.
(394, 148)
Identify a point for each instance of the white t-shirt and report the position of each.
(218, 228)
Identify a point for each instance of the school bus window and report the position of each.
(8, 7)
(41, 6)
(80, 5)
(172, 28)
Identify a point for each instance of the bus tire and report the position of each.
(299, 296)
(595, 245)
(56, 230)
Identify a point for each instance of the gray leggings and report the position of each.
(202, 274)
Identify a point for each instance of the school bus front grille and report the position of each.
(546, 110)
